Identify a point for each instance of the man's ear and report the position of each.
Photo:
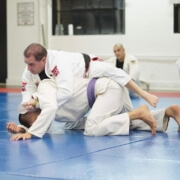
(44, 59)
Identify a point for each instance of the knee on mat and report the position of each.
(90, 129)
(93, 130)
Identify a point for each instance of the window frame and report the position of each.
(116, 20)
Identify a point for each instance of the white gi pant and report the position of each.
(109, 116)
(102, 69)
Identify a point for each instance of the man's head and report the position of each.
(119, 52)
(29, 118)
(35, 58)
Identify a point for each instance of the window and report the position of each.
(87, 17)
(177, 18)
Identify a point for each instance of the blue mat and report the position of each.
(71, 155)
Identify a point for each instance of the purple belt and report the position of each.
(91, 92)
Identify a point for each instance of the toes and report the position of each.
(153, 129)
(179, 129)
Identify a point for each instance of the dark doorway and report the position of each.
(3, 42)
(177, 18)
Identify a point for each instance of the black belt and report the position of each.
(87, 60)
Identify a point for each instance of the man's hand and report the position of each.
(23, 136)
(30, 105)
(13, 128)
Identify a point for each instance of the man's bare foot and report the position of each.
(145, 115)
(174, 112)
(150, 98)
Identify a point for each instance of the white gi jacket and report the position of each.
(131, 66)
(62, 66)
(108, 115)
(73, 110)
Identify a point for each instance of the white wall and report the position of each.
(18, 37)
(149, 36)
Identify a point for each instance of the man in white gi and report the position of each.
(62, 66)
(126, 62)
(109, 115)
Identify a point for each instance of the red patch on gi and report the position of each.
(55, 71)
(24, 86)
(96, 59)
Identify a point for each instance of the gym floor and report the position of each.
(70, 155)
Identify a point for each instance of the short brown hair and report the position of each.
(36, 50)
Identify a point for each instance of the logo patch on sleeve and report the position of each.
(55, 71)
(133, 62)
(24, 86)
(96, 59)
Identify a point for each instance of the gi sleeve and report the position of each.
(24, 127)
(63, 74)
(29, 86)
(48, 104)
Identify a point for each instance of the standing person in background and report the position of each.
(126, 62)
